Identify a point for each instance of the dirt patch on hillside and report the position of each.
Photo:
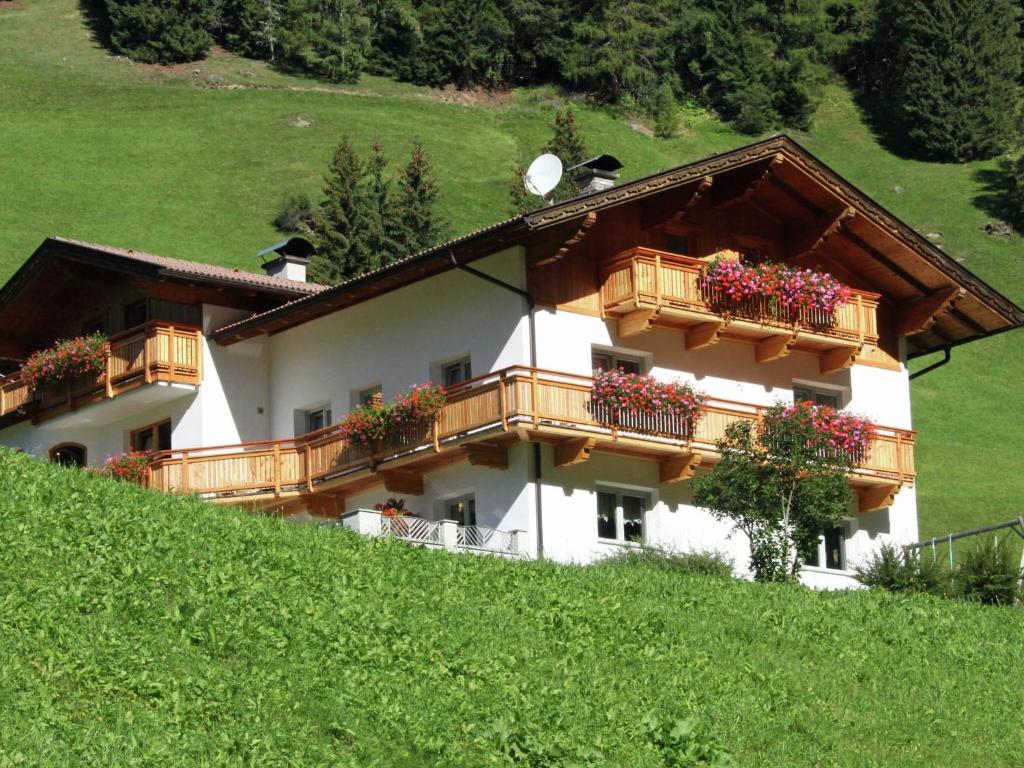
(471, 97)
(11, 5)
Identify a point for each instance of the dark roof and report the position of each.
(515, 230)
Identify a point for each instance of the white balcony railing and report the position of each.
(446, 534)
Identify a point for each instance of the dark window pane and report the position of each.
(677, 244)
(135, 314)
(456, 373)
(822, 398)
(163, 440)
(144, 439)
(813, 558)
(600, 362)
(800, 395)
(628, 366)
(471, 512)
(606, 516)
(633, 518)
(834, 548)
(69, 456)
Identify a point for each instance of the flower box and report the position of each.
(831, 434)
(773, 290)
(644, 404)
(66, 361)
(406, 420)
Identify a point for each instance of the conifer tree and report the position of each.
(568, 145)
(950, 68)
(329, 38)
(162, 31)
(420, 224)
(344, 220)
(666, 115)
(383, 233)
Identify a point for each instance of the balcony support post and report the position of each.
(573, 451)
(836, 360)
(704, 335)
(877, 497)
(681, 467)
(108, 370)
(399, 481)
(277, 468)
(774, 347)
(636, 322)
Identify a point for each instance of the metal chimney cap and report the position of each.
(293, 249)
(603, 163)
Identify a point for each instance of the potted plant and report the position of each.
(401, 421)
(836, 436)
(132, 466)
(395, 511)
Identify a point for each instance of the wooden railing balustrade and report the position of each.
(155, 351)
(644, 277)
(517, 397)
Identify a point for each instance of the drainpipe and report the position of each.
(531, 305)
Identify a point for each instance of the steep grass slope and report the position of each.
(140, 629)
(193, 161)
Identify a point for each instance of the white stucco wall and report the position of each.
(397, 339)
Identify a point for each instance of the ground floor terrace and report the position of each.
(522, 451)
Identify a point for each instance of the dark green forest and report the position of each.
(940, 77)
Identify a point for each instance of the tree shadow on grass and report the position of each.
(997, 197)
(98, 22)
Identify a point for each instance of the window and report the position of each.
(94, 325)
(68, 455)
(675, 243)
(154, 437)
(318, 418)
(831, 551)
(620, 515)
(462, 510)
(368, 395)
(802, 393)
(456, 372)
(610, 361)
(135, 314)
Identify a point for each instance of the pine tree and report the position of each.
(329, 38)
(344, 220)
(250, 27)
(1017, 194)
(521, 200)
(950, 68)
(420, 224)
(162, 31)
(384, 233)
(568, 146)
(666, 114)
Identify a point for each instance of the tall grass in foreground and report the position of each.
(140, 629)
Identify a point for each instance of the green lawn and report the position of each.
(193, 162)
(143, 629)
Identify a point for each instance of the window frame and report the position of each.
(848, 527)
(815, 389)
(691, 234)
(469, 499)
(326, 416)
(465, 365)
(156, 426)
(649, 501)
(615, 357)
(364, 396)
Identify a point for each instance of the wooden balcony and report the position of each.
(644, 288)
(154, 352)
(480, 421)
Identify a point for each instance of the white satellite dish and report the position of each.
(543, 175)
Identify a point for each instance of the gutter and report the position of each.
(531, 305)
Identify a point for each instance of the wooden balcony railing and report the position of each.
(522, 398)
(645, 278)
(152, 352)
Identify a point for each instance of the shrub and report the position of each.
(989, 573)
(65, 360)
(162, 31)
(900, 570)
(704, 562)
(297, 214)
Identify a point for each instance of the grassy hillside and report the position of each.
(141, 629)
(192, 161)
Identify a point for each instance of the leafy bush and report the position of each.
(898, 570)
(297, 214)
(989, 572)
(132, 466)
(698, 562)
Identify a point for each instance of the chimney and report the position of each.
(596, 174)
(288, 259)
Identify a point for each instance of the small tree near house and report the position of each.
(783, 481)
